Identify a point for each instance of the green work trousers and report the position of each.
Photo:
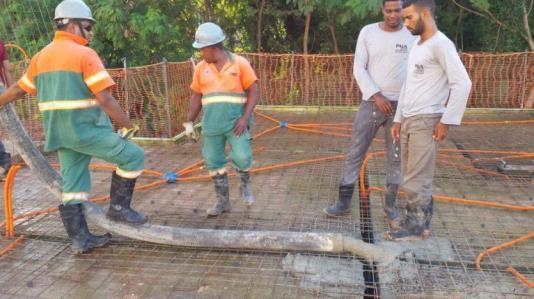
(74, 163)
(213, 150)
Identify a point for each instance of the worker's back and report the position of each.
(65, 76)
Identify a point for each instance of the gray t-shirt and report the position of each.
(437, 81)
(380, 60)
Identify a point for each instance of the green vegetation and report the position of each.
(146, 31)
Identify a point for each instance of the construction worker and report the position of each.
(75, 100)
(6, 79)
(224, 87)
(433, 98)
(380, 70)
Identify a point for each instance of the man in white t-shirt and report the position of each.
(433, 98)
(380, 62)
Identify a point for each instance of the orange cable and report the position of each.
(502, 122)
(8, 199)
(12, 245)
(324, 129)
(267, 117)
(513, 157)
(483, 203)
(317, 131)
(444, 198)
(502, 246)
(473, 169)
(297, 163)
(483, 152)
(325, 124)
(266, 132)
(520, 276)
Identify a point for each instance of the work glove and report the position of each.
(190, 131)
(128, 133)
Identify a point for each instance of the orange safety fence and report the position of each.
(156, 96)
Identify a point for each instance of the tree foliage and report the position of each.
(146, 31)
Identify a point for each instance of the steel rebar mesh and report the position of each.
(292, 199)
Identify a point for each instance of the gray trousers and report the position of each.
(366, 124)
(5, 157)
(418, 160)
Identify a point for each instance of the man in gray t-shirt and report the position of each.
(433, 98)
(380, 63)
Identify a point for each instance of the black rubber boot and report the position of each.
(246, 194)
(220, 182)
(390, 209)
(121, 199)
(429, 212)
(74, 221)
(342, 205)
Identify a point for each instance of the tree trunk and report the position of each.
(259, 28)
(458, 27)
(332, 28)
(306, 63)
(207, 6)
(306, 32)
(526, 27)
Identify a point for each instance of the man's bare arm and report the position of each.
(14, 92)
(113, 109)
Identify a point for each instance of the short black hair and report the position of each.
(384, 1)
(430, 4)
(63, 26)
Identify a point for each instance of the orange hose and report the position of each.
(322, 127)
(194, 165)
(483, 152)
(317, 131)
(473, 169)
(483, 203)
(24, 54)
(520, 276)
(368, 157)
(444, 198)
(514, 157)
(266, 132)
(267, 117)
(8, 199)
(502, 246)
(501, 122)
(297, 163)
(325, 124)
(12, 245)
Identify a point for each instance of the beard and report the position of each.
(418, 29)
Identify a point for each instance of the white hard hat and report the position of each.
(208, 34)
(73, 9)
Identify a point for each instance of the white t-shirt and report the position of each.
(437, 81)
(380, 60)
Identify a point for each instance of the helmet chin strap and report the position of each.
(81, 29)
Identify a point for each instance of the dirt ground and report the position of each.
(292, 199)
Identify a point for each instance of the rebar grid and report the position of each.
(292, 199)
